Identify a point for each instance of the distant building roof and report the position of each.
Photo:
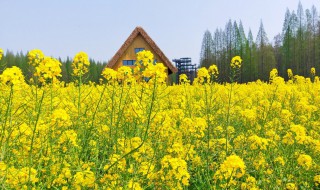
(139, 30)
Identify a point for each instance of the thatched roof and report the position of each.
(139, 30)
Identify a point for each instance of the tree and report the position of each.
(206, 55)
(262, 42)
(301, 67)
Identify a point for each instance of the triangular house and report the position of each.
(137, 41)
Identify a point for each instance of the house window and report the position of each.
(128, 62)
(136, 50)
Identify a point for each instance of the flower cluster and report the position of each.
(127, 134)
(47, 69)
(144, 58)
(273, 75)
(202, 76)
(1, 53)
(290, 74)
(35, 57)
(236, 62)
(183, 79)
(145, 70)
(233, 167)
(80, 64)
(213, 71)
(313, 71)
(12, 76)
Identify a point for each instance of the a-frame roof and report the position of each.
(139, 30)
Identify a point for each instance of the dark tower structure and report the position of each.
(185, 66)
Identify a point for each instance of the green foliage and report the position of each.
(297, 47)
(20, 60)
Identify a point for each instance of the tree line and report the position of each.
(20, 60)
(297, 47)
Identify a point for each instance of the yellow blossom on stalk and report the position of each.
(273, 75)
(61, 118)
(291, 186)
(213, 71)
(3, 168)
(121, 164)
(69, 136)
(316, 180)
(109, 74)
(19, 177)
(258, 142)
(313, 71)
(1, 53)
(134, 185)
(236, 62)
(124, 74)
(233, 166)
(174, 169)
(305, 161)
(80, 64)
(35, 57)
(84, 179)
(203, 76)
(183, 79)
(155, 73)
(249, 184)
(290, 74)
(48, 69)
(144, 58)
(12, 76)
(280, 160)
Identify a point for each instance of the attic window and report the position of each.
(128, 62)
(136, 50)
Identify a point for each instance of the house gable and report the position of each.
(139, 39)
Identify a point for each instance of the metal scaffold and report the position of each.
(185, 66)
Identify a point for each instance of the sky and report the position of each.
(61, 28)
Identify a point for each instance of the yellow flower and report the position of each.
(35, 57)
(124, 74)
(291, 186)
(273, 75)
(134, 185)
(305, 161)
(3, 168)
(183, 79)
(84, 179)
(316, 180)
(1, 53)
(109, 74)
(236, 62)
(121, 164)
(290, 74)
(144, 58)
(313, 71)
(48, 69)
(213, 71)
(80, 64)
(68, 136)
(203, 76)
(155, 73)
(280, 160)
(12, 76)
(233, 166)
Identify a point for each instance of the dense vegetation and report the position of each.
(297, 47)
(20, 60)
(132, 131)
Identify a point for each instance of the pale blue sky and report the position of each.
(99, 27)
